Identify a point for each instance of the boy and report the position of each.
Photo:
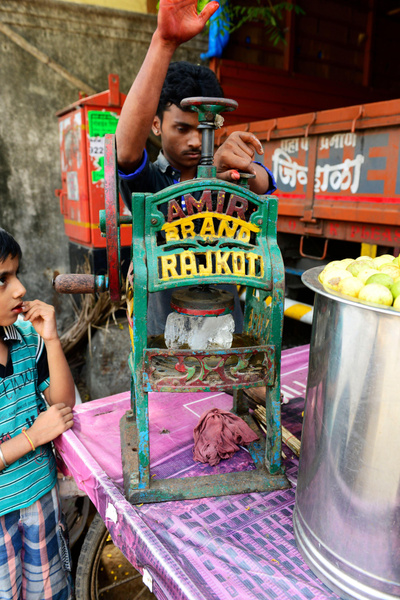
(153, 103)
(32, 363)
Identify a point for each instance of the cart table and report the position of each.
(234, 547)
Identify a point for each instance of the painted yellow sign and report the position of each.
(227, 227)
(206, 222)
(213, 262)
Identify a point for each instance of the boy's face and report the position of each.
(181, 140)
(11, 291)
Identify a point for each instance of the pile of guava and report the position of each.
(374, 280)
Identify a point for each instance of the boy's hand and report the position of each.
(237, 154)
(42, 316)
(178, 20)
(50, 424)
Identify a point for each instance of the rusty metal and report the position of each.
(202, 300)
(360, 114)
(188, 370)
(305, 255)
(80, 284)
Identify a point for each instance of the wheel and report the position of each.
(76, 511)
(103, 572)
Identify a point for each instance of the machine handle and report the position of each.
(74, 283)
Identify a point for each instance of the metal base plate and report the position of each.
(162, 490)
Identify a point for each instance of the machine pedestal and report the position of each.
(221, 484)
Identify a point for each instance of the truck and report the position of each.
(338, 178)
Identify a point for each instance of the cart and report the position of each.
(239, 546)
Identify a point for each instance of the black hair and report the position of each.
(8, 246)
(184, 80)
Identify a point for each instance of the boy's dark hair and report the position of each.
(8, 246)
(184, 80)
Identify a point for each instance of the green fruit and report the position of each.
(376, 293)
(396, 303)
(382, 279)
(358, 265)
(365, 273)
(396, 261)
(395, 289)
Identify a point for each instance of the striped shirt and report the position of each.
(21, 400)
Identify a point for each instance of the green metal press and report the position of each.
(199, 233)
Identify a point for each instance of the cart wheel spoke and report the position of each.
(99, 563)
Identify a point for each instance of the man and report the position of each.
(153, 103)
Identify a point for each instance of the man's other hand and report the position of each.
(179, 21)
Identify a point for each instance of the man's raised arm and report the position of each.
(178, 22)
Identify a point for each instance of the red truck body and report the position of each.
(337, 172)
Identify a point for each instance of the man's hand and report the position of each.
(237, 154)
(50, 424)
(178, 20)
(42, 316)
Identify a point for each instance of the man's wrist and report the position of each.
(271, 179)
(166, 45)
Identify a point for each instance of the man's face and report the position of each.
(11, 291)
(181, 140)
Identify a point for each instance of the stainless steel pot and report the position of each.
(347, 513)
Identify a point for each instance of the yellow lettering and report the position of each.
(239, 263)
(172, 233)
(209, 263)
(244, 234)
(253, 258)
(221, 265)
(188, 263)
(207, 269)
(187, 228)
(224, 229)
(207, 229)
(168, 266)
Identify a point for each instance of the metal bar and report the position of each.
(299, 311)
(221, 484)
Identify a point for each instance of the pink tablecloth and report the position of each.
(235, 547)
